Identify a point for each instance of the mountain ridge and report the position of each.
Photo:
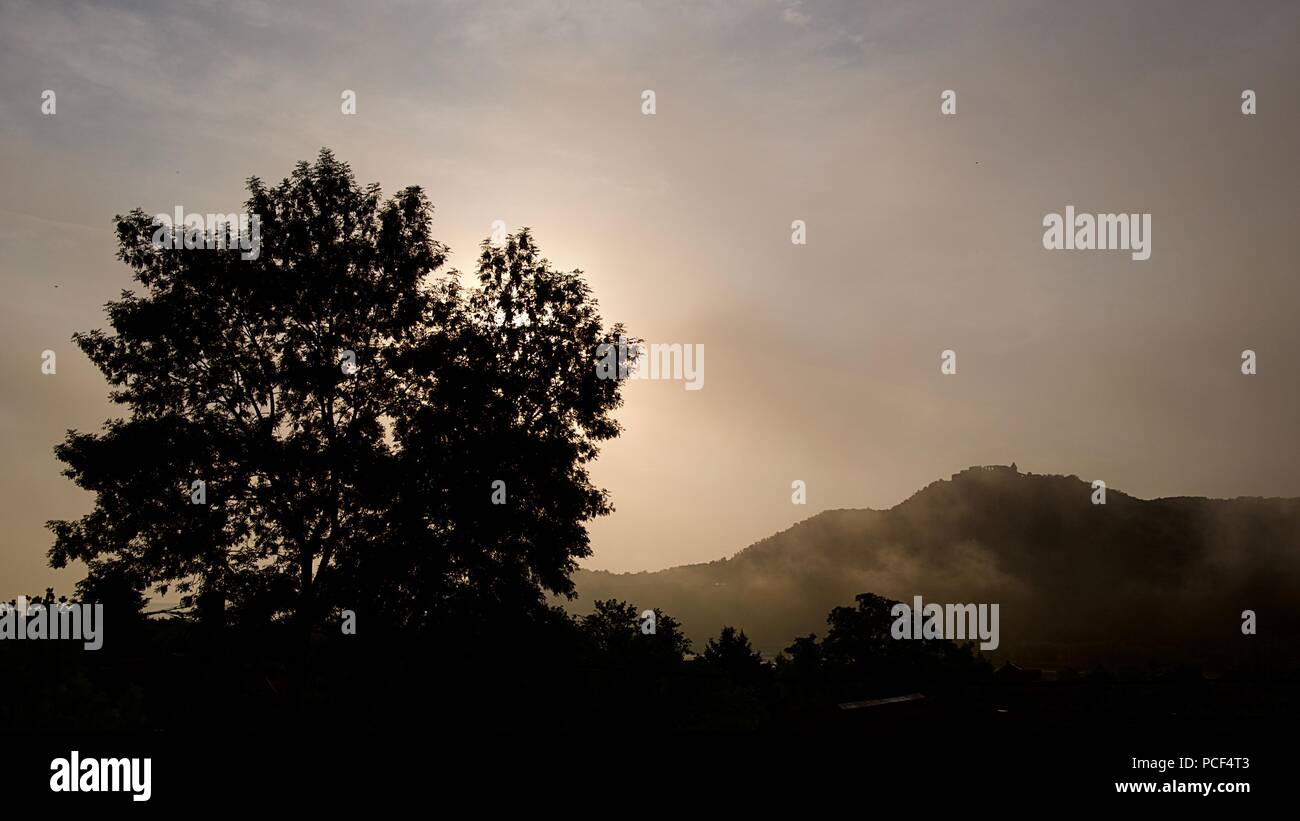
(1063, 569)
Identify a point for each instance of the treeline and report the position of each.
(548, 671)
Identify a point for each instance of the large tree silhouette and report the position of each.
(327, 487)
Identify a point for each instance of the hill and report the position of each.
(1130, 581)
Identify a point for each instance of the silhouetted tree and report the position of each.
(860, 635)
(330, 486)
(800, 674)
(732, 654)
(617, 632)
(503, 390)
(861, 656)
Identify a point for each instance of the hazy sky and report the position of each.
(924, 231)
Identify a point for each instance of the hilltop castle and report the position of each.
(988, 469)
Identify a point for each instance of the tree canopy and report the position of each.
(369, 433)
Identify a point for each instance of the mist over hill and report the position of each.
(1128, 581)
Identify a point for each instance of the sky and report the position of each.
(924, 230)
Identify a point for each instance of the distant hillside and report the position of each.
(1130, 581)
